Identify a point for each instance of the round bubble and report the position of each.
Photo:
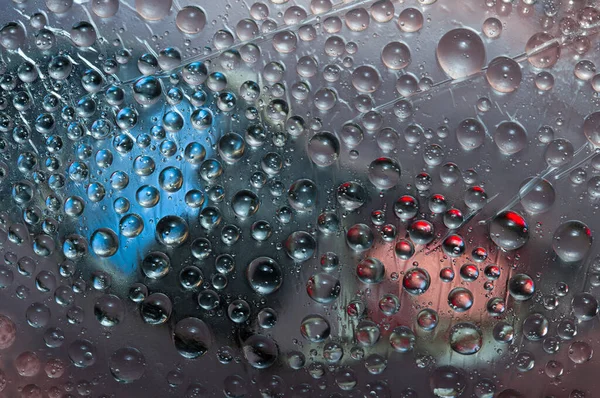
(521, 287)
(127, 364)
(315, 328)
(190, 20)
(509, 230)
(192, 337)
(466, 338)
(504, 74)
(540, 199)
(396, 55)
(8, 332)
(543, 50)
(572, 240)
(105, 8)
(447, 382)
(172, 231)
(264, 275)
(323, 288)
(510, 137)
(260, 351)
(470, 133)
(153, 10)
(384, 173)
(300, 246)
(323, 149)
(104, 242)
(370, 271)
(460, 53)
(360, 237)
(591, 128)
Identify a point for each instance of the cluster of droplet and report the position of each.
(164, 164)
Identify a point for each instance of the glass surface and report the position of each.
(309, 198)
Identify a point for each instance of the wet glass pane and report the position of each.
(299, 198)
